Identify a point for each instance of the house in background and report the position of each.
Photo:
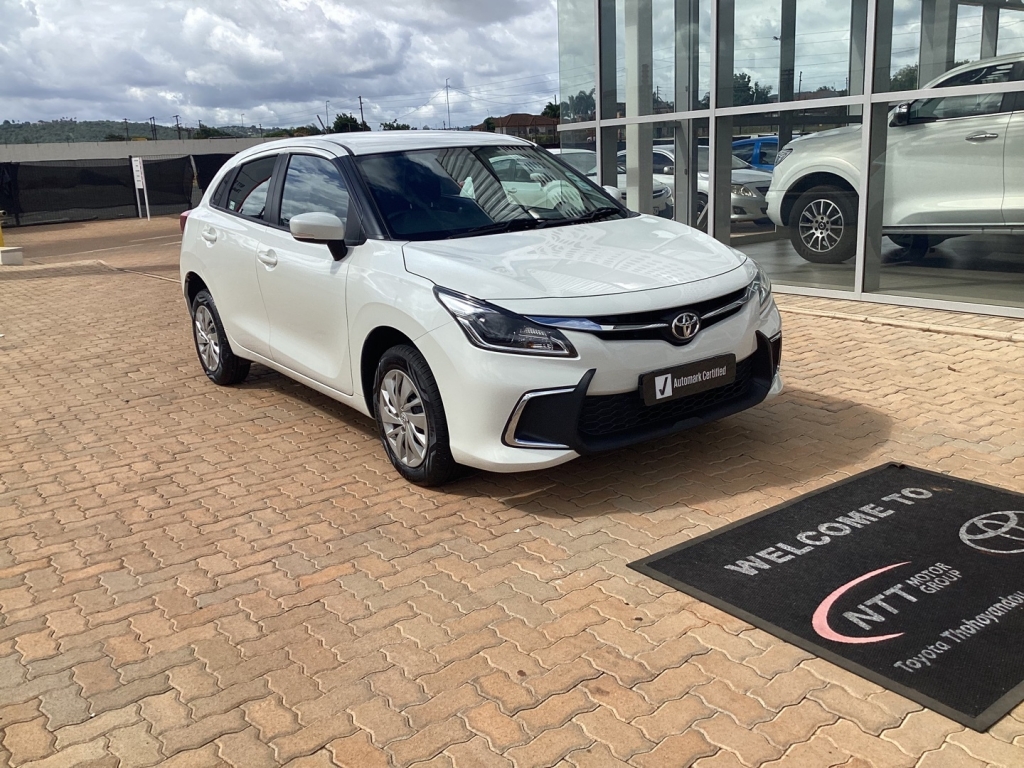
(538, 128)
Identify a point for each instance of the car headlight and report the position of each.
(742, 191)
(761, 285)
(783, 154)
(490, 327)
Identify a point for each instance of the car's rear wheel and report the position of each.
(411, 419)
(823, 225)
(220, 364)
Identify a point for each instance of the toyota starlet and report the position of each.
(484, 302)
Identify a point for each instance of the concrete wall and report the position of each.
(105, 150)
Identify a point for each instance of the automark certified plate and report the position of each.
(684, 380)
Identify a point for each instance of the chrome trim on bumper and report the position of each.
(509, 436)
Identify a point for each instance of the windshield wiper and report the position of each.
(594, 215)
(512, 225)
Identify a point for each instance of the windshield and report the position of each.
(702, 161)
(584, 162)
(432, 194)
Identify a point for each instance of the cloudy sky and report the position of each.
(276, 61)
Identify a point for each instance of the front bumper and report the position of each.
(774, 198)
(748, 208)
(482, 390)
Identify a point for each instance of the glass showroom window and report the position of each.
(762, 116)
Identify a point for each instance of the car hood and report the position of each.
(847, 133)
(749, 176)
(599, 259)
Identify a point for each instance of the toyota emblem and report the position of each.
(685, 326)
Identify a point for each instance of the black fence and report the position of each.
(82, 190)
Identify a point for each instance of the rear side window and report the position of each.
(313, 185)
(744, 152)
(768, 153)
(248, 195)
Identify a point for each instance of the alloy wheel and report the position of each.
(821, 225)
(207, 338)
(404, 418)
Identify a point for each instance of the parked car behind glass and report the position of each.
(954, 166)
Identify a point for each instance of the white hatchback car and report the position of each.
(400, 274)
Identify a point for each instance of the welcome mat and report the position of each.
(909, 578)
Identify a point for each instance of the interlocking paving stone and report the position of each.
(192, 575)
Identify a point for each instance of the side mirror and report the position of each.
(613, 191)
(320, 227)
(901, 115)
(669, 170)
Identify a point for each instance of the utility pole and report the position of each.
(152, 127)
(447, 103)
(177, 124)
(327, 111)
(261, 130)
(361, 118)
(800, 88)
(127, 136)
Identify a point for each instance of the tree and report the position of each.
(113, 137)
(552, 110)
(905, 78)
(489, 124)
(582, 106)
(208, 132)
(394, 125)
(346, 123)
(743, 92)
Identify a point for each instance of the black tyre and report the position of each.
(916, 247)
(219, 363)
(410, 418)
(823, 225)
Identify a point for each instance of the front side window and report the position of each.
(248, 195)
(744, 152)
(436, 193)
(929, 110)
(768, 152)
(313, 185)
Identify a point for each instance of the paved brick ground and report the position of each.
(197, 576)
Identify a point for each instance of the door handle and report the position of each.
(267, 256)
(982, 136)
(209, 235)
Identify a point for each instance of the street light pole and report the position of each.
(447, 103)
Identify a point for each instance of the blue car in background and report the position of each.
(759, 151)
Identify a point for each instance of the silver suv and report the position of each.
(954, 166)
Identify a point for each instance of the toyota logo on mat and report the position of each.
(1001, 533)
(685, 326)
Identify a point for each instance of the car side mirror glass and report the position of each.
(901, 115)
(320, 227)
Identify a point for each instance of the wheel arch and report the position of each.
(376, 343)
(193, 285)
(811, 180)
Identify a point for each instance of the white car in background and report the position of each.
(585, 161)
(953, 166)
(748, 185)
(404, 274)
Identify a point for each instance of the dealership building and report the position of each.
(858, 149)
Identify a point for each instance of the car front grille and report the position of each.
(606, 416)
(629, 327)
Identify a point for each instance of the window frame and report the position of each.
(229, 181)
(282, 171)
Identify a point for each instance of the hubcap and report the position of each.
(207, 339)
(405, 421)
(821, 225)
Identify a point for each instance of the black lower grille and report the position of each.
(605, 416)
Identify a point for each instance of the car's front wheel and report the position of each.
(411, 419)
(219, 363)
(823, 225)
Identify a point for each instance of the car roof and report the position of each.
(375, 142)
(1008, 58)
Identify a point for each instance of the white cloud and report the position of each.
(277, 61)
